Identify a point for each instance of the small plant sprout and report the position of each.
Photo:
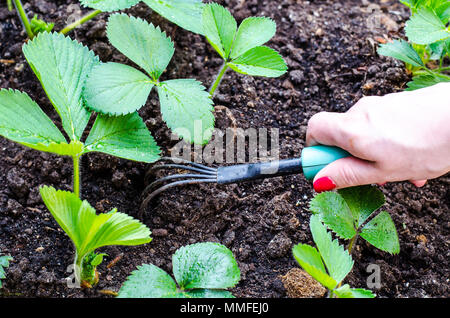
(429, 43)
(4, 263)
(347, 211)
(202, 270)
(241, 49)
(118, 89)
(89, 231)
(329, 263)
(62, 65)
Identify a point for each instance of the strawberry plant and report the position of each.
(118, 89)
(329, 263)
(241, 48)
(61, 66)
(347, 211)
(202, 270)
(89, 231)
(428, 43)
(4, 263)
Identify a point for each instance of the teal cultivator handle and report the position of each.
(315, 158)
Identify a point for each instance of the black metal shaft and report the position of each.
(261, 170)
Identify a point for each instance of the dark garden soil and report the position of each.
(330, 50)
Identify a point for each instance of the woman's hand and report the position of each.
(401, 136)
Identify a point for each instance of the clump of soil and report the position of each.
(330, 49)
(299, 284)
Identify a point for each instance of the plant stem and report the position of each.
(24, 18)
(10, 5)
(79, 22)
(351, 244)
(76, 175)
(219, 77)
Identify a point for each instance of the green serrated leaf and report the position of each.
(109, 5)
(309, 259)
(124, 137)
(116, 89)
(62, 66)
(186, 107)
(381, 233)
(335, 213)
(4, 261)
(425, 27)
(346, 292)
(209, 293)
(402, 51)
(141, 42)
(443, 12)
(205, 265)
(362, 293)
(87, 230)
(23, 121)
(337, 260)
(184, 13)
(148, 281)
(260, 61)
(252, 32)
(422, 81)
(362, 201)
(219, 27)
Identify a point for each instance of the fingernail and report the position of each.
(324, 184)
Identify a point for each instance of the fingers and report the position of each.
(324, 128)
(347, 172)
(350, 172)
(418, 183)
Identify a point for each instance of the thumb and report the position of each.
(347, 172)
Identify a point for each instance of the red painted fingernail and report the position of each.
(324, 184)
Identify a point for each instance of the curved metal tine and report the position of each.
(176, 166)
(168, 186)
(171, 177)
(195, 164)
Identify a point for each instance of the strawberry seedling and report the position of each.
(118, 89)
(4, 263)
(241, 49)
(347, 211)
(329, 263)
(202, 270)
(89, 231)
(61, 66)
(428, 43)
